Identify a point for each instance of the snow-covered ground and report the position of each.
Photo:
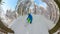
(40, 25)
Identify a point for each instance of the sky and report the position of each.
(40, 3)
(11, 4)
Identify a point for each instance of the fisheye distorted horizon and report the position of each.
(11, 4)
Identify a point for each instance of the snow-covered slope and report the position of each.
(40, 25)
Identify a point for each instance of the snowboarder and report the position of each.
(29, 18)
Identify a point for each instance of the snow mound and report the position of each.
(40, 25)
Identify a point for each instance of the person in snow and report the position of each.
(29, 18)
